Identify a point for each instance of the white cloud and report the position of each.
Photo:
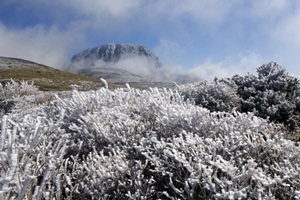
(264, 9)
(241, 64)
(137, 65)
(142, 67)
(207, 70)
(115, 8)
(136, 13)
(200, 11)
(86, 8)
(284, 41)
(287, 30)
(168, 51)
(39, 44)
(203, 11)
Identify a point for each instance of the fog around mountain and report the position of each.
(135, 59)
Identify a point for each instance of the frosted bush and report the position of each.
(272, 94)
(215, 96)
(160, 146)
(144, 144)
(15, 89)
(31, 150)
(15, 96)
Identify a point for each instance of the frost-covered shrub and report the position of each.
(15, 89)
(145, 144)
(155, 145)
(272, 94)
(215, 96)
(31, 151)
(14, 95)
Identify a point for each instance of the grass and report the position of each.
(48, 78)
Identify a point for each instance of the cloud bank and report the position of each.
(47, 46)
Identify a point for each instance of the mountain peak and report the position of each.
(113, 53)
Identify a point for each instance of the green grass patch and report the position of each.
(47, 78)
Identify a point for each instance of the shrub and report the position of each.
(215, 96)
(160, 146)
(17, 96)
(143, 144)
(272, 94)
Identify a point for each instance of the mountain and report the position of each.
(114, 53)
(125, 63)
(45, 77)
(117, 63)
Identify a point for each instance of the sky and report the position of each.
(207, 38)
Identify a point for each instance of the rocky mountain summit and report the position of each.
(114, 53)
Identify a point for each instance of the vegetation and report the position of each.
(273, 94)
(128, 143)
(50, 79)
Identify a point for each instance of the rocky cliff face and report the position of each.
(114, 53)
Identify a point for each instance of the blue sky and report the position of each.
(205, 37)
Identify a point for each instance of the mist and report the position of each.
(146, 68)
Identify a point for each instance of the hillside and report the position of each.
(111, 74)
(45, 77)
